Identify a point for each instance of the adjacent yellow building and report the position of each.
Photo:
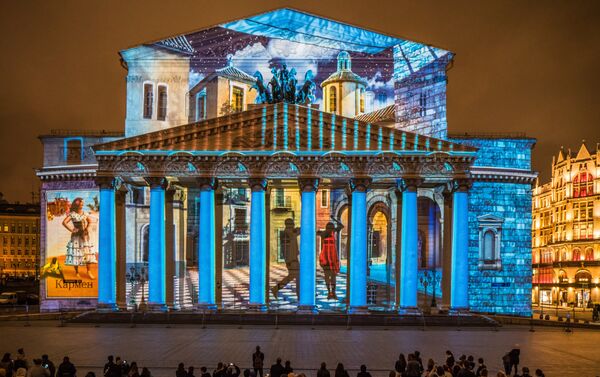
(19, 239)
(566, 231)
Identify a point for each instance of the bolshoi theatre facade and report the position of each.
(286, 162)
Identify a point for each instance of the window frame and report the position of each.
(159, 101)
(490, 223)
(148, 105)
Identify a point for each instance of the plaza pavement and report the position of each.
(160, 348)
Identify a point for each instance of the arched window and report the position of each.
(589, 254)
(490, 229)
(162, 102)
(332, 99)
(576, 255)
(583, 276)
(562, 277)
(583, 185)
(148, 100)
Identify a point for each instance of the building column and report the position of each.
(358, 245)
(447, 251)
(258, 244)
(206, 245)
(459, 297)
(308, 244)
(169, 247)
(157, 245)
(121, 246)
(107, 245)
(409, 244)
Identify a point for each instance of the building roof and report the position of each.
(273, 128)
(344, 75)
(20, 209)
(178, 43)
(385, 114)
(230, 72)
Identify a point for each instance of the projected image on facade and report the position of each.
(70, 267)
(290, 162)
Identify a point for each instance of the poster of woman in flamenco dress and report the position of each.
(80, 249)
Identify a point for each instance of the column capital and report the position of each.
(154, 182)
(207, 183)
(459, 185)
(105, 182)
(360, 184)
(409, 184)
(258, 184)
(308, 184)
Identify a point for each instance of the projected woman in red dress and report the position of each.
(79, 248)
(328, 257)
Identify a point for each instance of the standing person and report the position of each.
(232, 371)
(480, 367)
(66, 368)
(419, 360)
(79, 248)
(449, 359)
(363, 372)
(258, 361)
(21, 361)
(340, 371)
(7, 364)
(514, 360)
(525, 371)
(400, 366)
(46, 363)
(109, 367)
(220, 371)
(323, 372)
(180, 372)
(190, 372)
(506, 363)
(292, 264)
(133, 370)
(413, 369)
(37, 370)
(277, 369)
(288, 367)
(204, 372)
(328, 257)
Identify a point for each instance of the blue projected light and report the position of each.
(157, 248)
(107, 246)
(308, 251)
(206, 249)
(408, 255)
(358, 250)
(258, 244)
(459, 298)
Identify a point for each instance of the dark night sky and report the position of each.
(530, 66)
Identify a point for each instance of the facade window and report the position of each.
(423, 104)
(148, 100)
(201, 106)
(73, 148)
(279, 198)
(490, 230)
(162, 103)
(589, 254)
(237, 99)
(382, 98)
(332, 99)
(576, 255)
(583, 185)
(324, 198)
(362, 101)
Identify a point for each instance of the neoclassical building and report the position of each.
(250, 177)
(566, 231)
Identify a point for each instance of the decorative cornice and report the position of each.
(308, 184)
(360, 184)
(257, 184)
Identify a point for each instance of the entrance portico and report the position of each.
(259, 148)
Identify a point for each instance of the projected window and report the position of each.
(237, 99)
(73, 151)
(332, 99)
(490, 229)
(201, 106)
(148, 100)
(162, 102)
(362, 101)
(423, 104)
(583, 185)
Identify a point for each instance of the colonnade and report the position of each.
(111, 291)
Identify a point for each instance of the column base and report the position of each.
(358, 309)
(106, 308)
(157, 307)
(307, 309)
(458, 311)
(206, 307)
(409, 310)
(257, 307)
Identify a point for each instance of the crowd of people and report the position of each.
(411, 365)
